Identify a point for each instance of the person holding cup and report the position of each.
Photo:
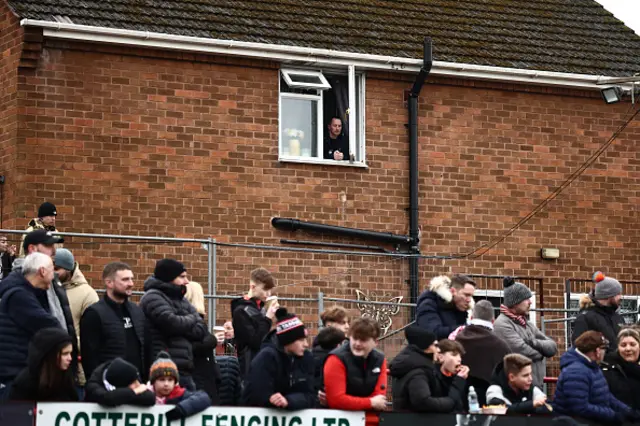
(253, 316)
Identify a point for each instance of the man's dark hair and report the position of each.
(458, 281)
(263, 277)
(452, 346)
(335, 314)
(335, 117)
(330, 338)
(514, 363)
(364, 328)
(110, 269)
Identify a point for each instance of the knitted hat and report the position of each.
(606, 287)
(515, 292)
(47, 209)
(168, 270)
(121, 373)
(64, 259)
(163, 366)
(419, 337)
(289, 328)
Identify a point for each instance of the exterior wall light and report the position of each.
(612, 95)
(550, 253)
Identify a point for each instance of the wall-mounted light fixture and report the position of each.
(620, 87)
(612, 95)
(550, 253)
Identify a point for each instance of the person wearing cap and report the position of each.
(414, 372)
(80, 294)
(523, 337)
(24, 310)
(46, 220)
(163, 381)
(582, 389)
(117, 382)
(114, 326)
(483, 349)
(445, 306)
(599, 309)
(173, 323)
(7, 256)
(281, 375)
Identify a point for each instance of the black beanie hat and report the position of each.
(47, 209)
(168, 270)
(289, 328)
(419, 337)
(45, 341)
(121, 373)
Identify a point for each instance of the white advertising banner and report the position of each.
(87, 414)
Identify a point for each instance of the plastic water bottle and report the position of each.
(474, 407)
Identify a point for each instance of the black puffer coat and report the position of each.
(230, 384)
(419, 386)
(596, 317)
(623, 379)
(173, 324)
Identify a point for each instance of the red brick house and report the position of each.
(197, 119)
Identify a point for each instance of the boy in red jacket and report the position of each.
(355, 374)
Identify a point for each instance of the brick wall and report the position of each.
(164, 144)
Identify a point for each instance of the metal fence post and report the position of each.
(320, 307)
(211, 264)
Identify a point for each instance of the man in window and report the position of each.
(336, 144)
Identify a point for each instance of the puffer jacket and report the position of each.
(81, 295)
(527, 341)
(583, 391)
(436, 311)
(419, 386)
(596, 317)
(230, 384)
(188, 402)
(172, 322)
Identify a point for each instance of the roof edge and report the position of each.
(307, 55)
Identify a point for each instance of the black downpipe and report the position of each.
(285, 224)
(414, 231)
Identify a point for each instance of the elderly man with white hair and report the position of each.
(24, 310)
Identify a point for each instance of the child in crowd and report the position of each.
(164, 378)
(449, 380)
(512, 385)
(117, 382)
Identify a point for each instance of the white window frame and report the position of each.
(533, 317)
(289, 78)
(356, 109)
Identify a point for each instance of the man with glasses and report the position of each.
(7, 256)
(582, 389)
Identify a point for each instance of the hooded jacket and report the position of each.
(417, 386)
(436, 311)
(250, 326)
(96, 391)
(275, 371)
(528, 341)
(81, 295)
(483, 350)
(596, 317)
(24, 310)
(172, 322)
(623, 378)
(583, 391)
(517, 402)
(26, 385)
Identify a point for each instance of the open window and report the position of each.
(322, 117)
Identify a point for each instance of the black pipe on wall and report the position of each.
(414, 230)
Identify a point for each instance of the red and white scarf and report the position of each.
(520, 319)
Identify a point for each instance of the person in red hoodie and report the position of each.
(355, 374)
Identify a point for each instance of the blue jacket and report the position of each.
(191, 402)
(438, 316)
(24, 310)
(274, 371)
(583, 391)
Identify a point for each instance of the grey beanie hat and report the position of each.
(515, 292)
(64, 259)
(606, 287)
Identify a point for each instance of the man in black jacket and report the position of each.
(421, 385)
(281, 375)
(173, 323)
(7, 256)
(250, 321)
(599, 310)
(113, 327)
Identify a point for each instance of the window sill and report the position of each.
(322, 162)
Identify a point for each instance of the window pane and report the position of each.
(298, 129)
(312, 79)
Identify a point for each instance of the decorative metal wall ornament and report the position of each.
(380, 313)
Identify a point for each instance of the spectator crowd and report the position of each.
(61, 342)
